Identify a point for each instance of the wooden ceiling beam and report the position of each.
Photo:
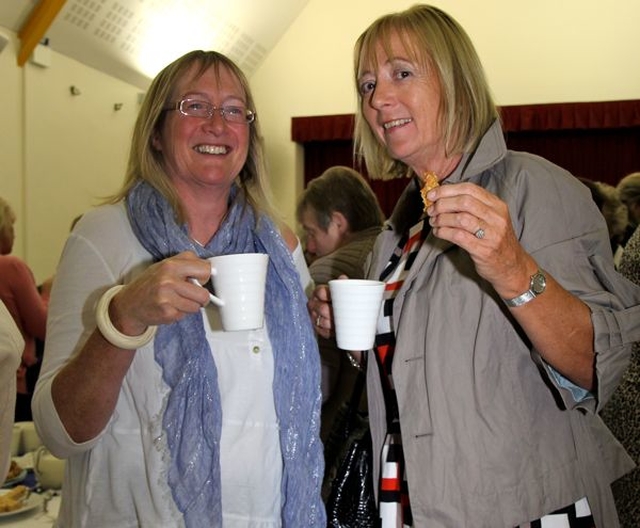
(35, 27)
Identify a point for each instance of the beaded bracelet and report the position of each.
(354, 362)
(111, 333)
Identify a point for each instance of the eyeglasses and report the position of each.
(197, 108)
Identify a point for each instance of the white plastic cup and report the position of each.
(356, 306)
(239, 282)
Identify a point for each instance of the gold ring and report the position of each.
(318, 320)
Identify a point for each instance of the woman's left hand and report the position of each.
(558, 324)
(479, 222)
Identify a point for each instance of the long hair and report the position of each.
(436, 41)
(146, 163)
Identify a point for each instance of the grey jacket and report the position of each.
(491, 438)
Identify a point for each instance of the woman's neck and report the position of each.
(204, 214)
(441, 168)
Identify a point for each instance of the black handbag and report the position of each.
(348, 482)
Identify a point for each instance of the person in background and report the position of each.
(164, 418)
(11, 348)
(339, 208)
(614, 211)
(341, 218)
(504, 327)
(629, 192)
(20, 295)
(622, 412)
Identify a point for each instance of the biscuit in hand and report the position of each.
(430, 181)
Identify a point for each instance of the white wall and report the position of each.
(76, 150)
(11, 138)
(534, 52)
(59, 153)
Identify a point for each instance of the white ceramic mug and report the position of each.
(356, 306)
(49, 469)
(239, 282)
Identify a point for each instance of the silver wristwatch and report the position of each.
(537, 285)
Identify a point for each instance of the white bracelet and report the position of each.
(111, 333)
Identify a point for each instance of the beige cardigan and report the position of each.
(491, 439)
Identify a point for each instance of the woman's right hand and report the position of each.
(162, 294)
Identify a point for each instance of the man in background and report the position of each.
(341, 218)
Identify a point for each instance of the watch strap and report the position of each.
(520, 299)
(537, 285)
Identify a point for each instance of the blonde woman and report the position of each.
(505, 327)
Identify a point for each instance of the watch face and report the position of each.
(538, 283)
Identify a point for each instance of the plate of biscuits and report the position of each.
(18, 500)
(15, 475)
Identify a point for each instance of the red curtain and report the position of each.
(599, 141)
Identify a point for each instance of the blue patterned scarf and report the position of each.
(193, 415)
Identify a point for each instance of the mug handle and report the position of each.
(37, 454)
(212, 298)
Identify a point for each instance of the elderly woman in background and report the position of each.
(166, 419)
(19, 292)
(504, 326)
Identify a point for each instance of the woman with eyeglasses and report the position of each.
(164, 418)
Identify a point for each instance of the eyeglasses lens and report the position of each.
(231, 114)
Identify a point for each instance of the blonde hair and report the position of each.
(146, 163)
(436, 41)
(7, 215)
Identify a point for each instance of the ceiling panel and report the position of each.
(133, 39)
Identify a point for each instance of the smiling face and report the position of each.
(401, 100)
(202, 153)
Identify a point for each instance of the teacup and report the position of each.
(49, 469)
